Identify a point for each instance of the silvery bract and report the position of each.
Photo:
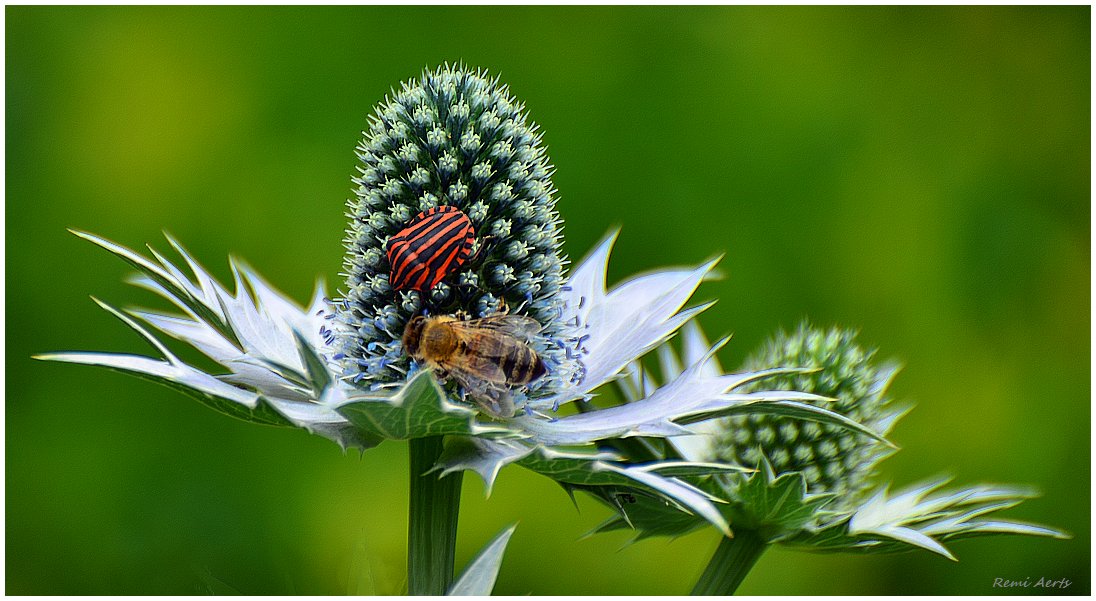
(336, 368)
(815, 486)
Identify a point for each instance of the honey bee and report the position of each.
(486, 356)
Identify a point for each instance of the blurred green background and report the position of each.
(919, 173)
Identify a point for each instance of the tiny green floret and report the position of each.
(831, 459)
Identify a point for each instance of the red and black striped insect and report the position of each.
(433, 245)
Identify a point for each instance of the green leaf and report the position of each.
(478, 579)
(695, 469)
(578, 469)
(777, 507)
(419, 409)
(174, 373)
(647, 515)
(318, 375)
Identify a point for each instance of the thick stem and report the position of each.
(731, 562)
(434, 506)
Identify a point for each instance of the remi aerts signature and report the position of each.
(1062, 583)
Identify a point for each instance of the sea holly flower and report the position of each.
(814, 486)
(454, 138)
(282, 371)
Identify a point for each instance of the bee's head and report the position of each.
(412, 334)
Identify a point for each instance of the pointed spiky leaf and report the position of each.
(776, 507)
(419, 409)
(478, 579)
(172, 281)
(923, 516)
(171, 376)
(647, 515)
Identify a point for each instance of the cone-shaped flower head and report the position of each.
(831, 459)
(451, 138)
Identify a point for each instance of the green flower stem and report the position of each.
(432, 520)
(733, 559)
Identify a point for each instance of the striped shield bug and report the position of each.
(434, 244)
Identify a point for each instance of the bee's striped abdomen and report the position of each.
(434, 244)
(522, 365)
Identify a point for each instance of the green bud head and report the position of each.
(831, 459)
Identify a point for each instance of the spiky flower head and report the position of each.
(831, 459)
(453, 137)
(806, 478)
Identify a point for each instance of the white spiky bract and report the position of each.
(280, 371)
(782, 505)
(922, 513)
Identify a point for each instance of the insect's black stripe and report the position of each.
(428, 213)
(529, 365)
(406, 249)
(423, 215)
(509, 362)
(438, 236)
(402, 257)
(442, 241)
(430, 274)
(426, 250)
(409, 245)
(434, 243)
(443, 258)
(517, 370)
(539, 369)
(428, 227)
(448, 253)
(437, 251)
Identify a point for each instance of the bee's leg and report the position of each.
(497, 401)
(504, 308)
(504, 405)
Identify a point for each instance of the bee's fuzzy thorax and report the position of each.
(412, 334)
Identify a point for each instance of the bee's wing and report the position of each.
(492, 397)
(481, 364)
(518, 326)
